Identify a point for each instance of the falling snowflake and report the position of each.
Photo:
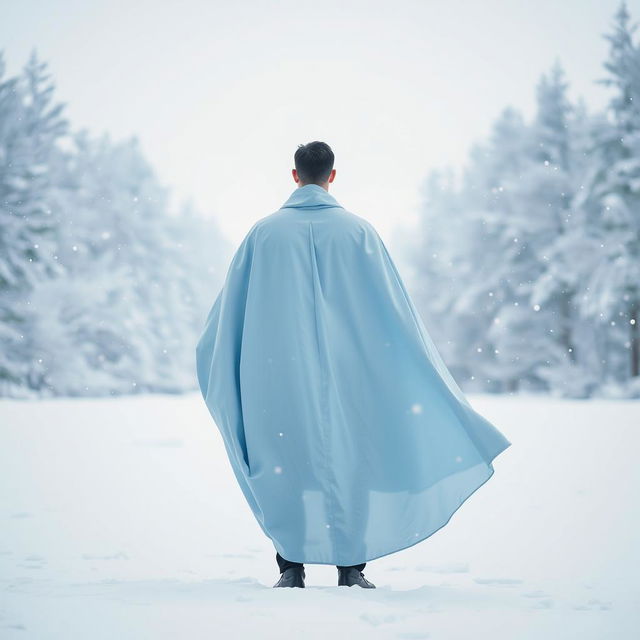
(277, 469)
(416, 408)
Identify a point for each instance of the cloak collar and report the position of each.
(311, 196)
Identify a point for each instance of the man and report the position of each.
(348, 436)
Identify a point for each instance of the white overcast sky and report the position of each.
(221, 93)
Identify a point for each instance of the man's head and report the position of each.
(314, 164)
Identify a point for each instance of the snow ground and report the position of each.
(121, 519)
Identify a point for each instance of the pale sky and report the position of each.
(221, 93)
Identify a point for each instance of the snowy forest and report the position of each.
(103, 288)
(527, 260)
(526, 264)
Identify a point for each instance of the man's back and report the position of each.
(348, 436)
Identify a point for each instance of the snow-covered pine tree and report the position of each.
(551, 185)
(501, 258)
(575, 372)
(30, 163)
(607, 209)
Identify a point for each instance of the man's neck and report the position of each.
(325, 185)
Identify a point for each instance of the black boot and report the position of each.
(349, 576)
(291, 577)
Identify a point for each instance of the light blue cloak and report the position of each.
(348, 436)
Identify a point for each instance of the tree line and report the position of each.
(527, 261)
(104, 288)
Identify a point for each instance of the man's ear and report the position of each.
(332, 175)
(294, 173)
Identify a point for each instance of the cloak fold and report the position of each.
(345, 430)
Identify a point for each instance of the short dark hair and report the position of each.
(314, 162)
